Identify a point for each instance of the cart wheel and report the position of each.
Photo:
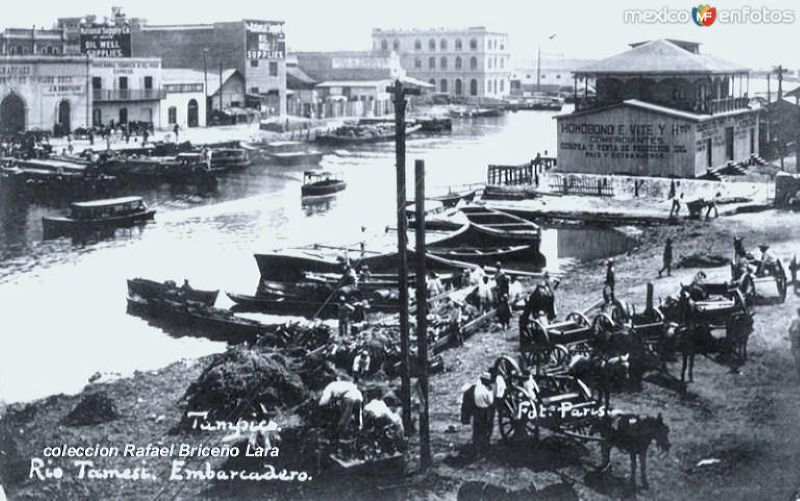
(509, 422)
(578, 318)
(602, 323)
(780, 278)
(507, 367)
(559, 356)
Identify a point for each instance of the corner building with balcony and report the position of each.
(472, 62)
(660, 109)
(126, 89)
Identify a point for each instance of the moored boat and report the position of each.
(363, 134)
(99, 214)
(147, 289)
(286, 153)
(319, 184)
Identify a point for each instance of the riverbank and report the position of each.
(746, 421)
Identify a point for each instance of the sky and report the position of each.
(583, 29)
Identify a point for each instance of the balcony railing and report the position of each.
(100, 95)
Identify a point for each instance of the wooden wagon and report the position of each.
(552, 345)
(560, 404)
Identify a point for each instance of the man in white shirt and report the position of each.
(483, 413)
(376, 412)
(348, 398)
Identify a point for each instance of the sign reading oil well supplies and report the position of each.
(265, 40)
(100, 40)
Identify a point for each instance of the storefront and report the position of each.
(43, 93)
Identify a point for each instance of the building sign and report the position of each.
(265, 40)
(637, 141)
(180, 88)
(100, 40)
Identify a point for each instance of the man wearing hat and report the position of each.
(478, 403)
(794, 339)
(667, 259)
(501, 280)
(361, 364)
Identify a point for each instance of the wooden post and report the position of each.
(422, 315)
(402, 248)
(649, 300)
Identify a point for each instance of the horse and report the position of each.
(632, 434)
(540, 299)
(624, 340)
(600, 373)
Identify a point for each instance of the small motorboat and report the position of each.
(99, 214)
(320, 184)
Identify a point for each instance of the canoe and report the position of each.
(499, 224)
(490, 255)
(297, 304)
(147, 289)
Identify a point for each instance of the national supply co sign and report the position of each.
(705, 15)
(100, 40)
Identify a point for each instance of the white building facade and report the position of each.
(472, 62)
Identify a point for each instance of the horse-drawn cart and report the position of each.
(551, 345)
(558, 403)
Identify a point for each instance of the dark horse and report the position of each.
(632, 434)
(622, 340)
(541, 299)
(600, 373)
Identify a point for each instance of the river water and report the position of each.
(62, 303)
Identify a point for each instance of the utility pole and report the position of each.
(220, 85)
(779, 70)
(205, 83)
(538, 66)
(422, 315)
(402, 244)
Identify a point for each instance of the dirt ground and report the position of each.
(746, 421)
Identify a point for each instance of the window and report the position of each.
(458, 44)
(495, 87)
(473, 44)
(148, 83)
(396, 45)
(558, 77)
(97, 83)
(473, 63)
(459, 90)
(253, 90)
(432, 44)
(123, 83)
(123, 115)
(443, 44)
(489, 86)
(384, 45)
(489, 62)
(254, 63)
(502, 46)
(443, 63)
(458, 62)
(473, 87)
(418, 63)
(502, 62)
(502, 85)
(172, 115)
(443, 85)
(431, 63)
(418, 44)
(432, 82)
(273, 69)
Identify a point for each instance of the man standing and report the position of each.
(477, 403)
(175, 129)
(344, 311)
(667, 259)
(501, 280)
(712, 205)
(676, 206)
(608, 286)
(794, 339)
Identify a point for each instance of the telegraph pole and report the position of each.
(422, 315)
(402, 244)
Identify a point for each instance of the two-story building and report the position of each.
(460, 62)
(125, 90)
(660, 109)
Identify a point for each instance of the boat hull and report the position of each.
(313, 190)
(148, 289)
(64, 225)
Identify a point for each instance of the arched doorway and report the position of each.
(64, 122)
(12, 114)
(97, 117)
(443, 85)
(192, 119)
(123, 115)
(473, 87)
(459, 90)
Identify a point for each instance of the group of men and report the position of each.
(347, 400)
